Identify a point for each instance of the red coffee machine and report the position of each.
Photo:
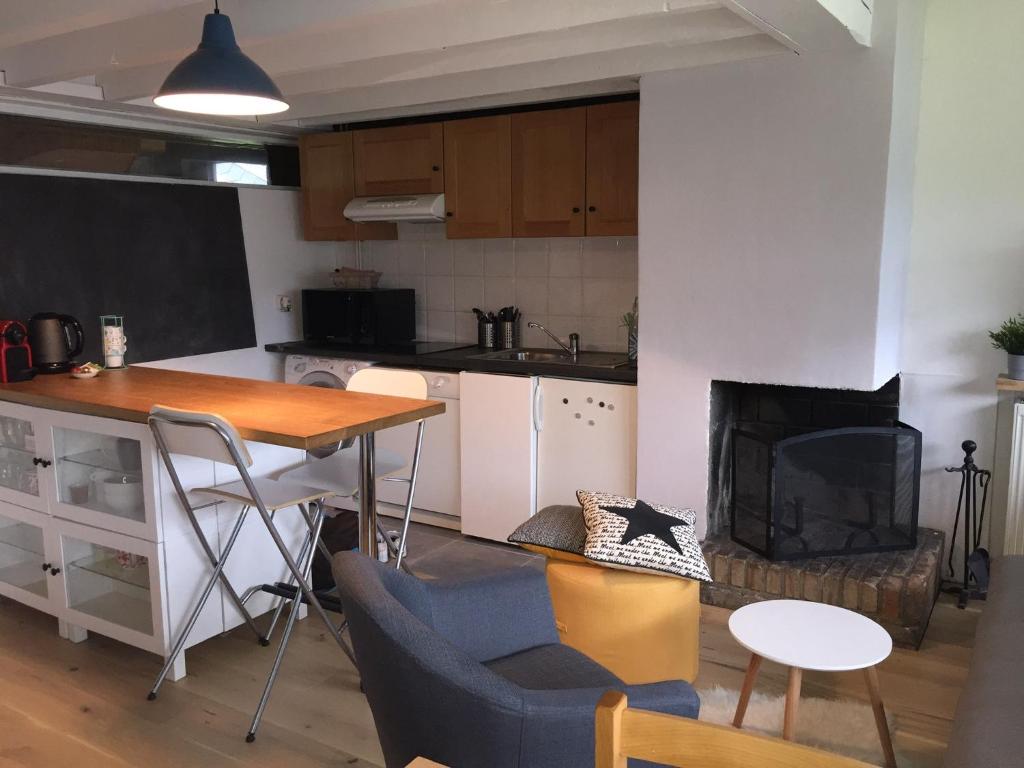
(15, 354)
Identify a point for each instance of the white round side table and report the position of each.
(803, 635)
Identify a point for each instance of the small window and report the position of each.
(241, 173)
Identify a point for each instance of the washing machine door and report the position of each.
(322, 379)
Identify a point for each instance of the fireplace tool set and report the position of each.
(969, 521)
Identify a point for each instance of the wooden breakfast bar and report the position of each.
(91, 530)
(262, 411)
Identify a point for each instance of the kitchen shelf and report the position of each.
(20, 536)
(16, 450)
(108, 567)
(27, 576)
(97, 459)
(121, 609)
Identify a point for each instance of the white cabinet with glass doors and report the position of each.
(92, 533)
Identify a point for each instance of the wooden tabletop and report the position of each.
(1006, 384)
(263, 411)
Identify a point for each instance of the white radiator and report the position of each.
(1014, 542)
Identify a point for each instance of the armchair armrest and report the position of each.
(556, 723)
(495, 615)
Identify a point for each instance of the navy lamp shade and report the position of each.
(218, 79)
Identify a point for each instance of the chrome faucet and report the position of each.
(573, 349)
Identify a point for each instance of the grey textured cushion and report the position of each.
(988, 729)
(553, 667)
(559, 527)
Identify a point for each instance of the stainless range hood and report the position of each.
(396, 208)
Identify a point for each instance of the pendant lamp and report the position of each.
(218, 79)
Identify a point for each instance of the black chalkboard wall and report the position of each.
(169, 257)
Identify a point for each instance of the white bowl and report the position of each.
(122, 497)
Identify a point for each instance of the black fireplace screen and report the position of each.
(826, 492)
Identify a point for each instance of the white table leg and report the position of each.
(871, 676)
(748, 687)
(71, 632)
(177, 670)
(792, 702)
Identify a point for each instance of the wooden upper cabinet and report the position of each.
(549, 156)
(613, 157)
(400, 160)
(325, 163)
(477, 177)
(328, 184)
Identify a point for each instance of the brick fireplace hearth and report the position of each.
(896, 589)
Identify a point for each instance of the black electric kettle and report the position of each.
(55, 340)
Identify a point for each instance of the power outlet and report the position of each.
(284, 303)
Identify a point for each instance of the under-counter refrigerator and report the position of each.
(528, 442)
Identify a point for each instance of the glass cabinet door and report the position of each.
(24, 566)
(19, 464)
(101, 480)
(111, 584)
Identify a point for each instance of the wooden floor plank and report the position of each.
(84, 704)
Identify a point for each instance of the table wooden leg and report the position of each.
(792, 702)
(748, 687)
(871, 675)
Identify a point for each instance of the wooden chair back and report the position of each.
(622, 733)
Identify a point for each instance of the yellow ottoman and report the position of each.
(643, 627)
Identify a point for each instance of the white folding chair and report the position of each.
(340, 471)
(210, 437)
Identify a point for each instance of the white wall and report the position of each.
(967, 255)
(568, 284)
(280, 262)
(763, 214)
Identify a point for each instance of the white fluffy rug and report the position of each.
(842, 727)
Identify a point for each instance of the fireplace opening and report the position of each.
(799, 472)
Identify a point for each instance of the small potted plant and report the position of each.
(1010, 337)
(631, 322)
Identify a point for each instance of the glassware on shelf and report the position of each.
(108, 583)
(100, 472)
(115, 343)
(21, 555)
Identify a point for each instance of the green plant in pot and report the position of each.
(1010, 337)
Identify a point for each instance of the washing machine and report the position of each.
(321, 371)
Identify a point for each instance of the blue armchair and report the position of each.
(473, 674)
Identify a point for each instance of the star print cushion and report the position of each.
(636, 536)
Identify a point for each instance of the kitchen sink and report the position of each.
(590, 359)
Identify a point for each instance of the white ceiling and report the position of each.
(351, 60)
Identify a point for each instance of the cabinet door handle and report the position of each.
(575, 210)
(54, 571)
(46, 566)
(435, 168)
(592, 208)
(449, 214)
(538, 408)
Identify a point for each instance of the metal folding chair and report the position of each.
(340, 471)
(208, 436)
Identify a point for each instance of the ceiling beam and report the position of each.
(28, 20)
(351, 104)
(173, 33)
(689, 26)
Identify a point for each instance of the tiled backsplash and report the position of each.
(569, 284)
